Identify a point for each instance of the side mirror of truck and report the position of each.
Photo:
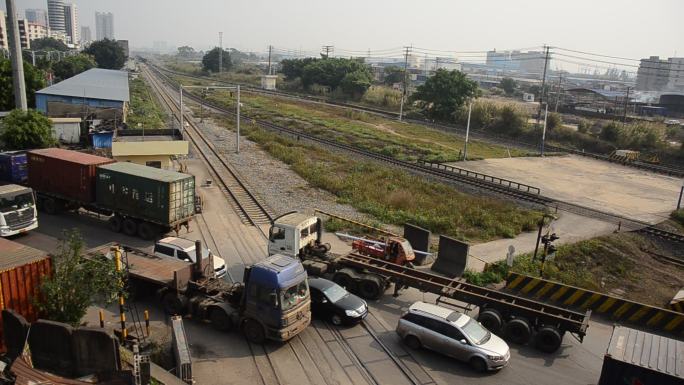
(273, 299)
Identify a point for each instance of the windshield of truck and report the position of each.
(477, 333)
(335, 293)
(294, 295)
(15, 202)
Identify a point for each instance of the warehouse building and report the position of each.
(154, 153)
(95, 95)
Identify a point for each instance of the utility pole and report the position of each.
(237, 123)
(546, 115)
(220, 52)
(17, 59)
(465, 145)
(403, 91)
(328, 49)
(270, 49)
(541, 96)
(558, 93)
(624, 115)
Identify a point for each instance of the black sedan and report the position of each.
(332, 302)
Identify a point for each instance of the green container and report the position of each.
(158, 196)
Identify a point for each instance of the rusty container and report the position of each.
(65, 174)
(22, 270)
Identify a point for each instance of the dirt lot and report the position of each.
(601, 185)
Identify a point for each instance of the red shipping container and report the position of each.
(64, 173)
(22, 270)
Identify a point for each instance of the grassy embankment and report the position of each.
(144, 107)
(393, 196)
(624, 264)
(381, 135)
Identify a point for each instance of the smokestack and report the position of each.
(17, 59)
(199, 269)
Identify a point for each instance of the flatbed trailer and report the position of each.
(526, 315)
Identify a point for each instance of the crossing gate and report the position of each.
(615, 308)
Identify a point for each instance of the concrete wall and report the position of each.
(165, 160)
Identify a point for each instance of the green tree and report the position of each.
(77, 282)
(48, 44)
(610, 132)
(107, 53)
(34, 78)
(73, 65)
(186, 51)
(508, 85)
(443, 93)
(24, 130)
(553, 121)
(393, 75)
(511, 121)
(210, 61)
(356, 83)
(294, 68)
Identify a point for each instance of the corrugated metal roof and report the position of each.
(10, 188)
(15, 254)
(176, 147)
(647, 350)
(145, 171)
(95, 83)
(71, 156)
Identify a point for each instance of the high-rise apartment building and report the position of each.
(24, 38)
(86, 35)
(653, 74)
(4, 39)
(71, 23)
(104, 25)
(56, 16)
(37, 16)
(676, 79)
(36, 31)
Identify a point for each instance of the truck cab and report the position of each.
(291, 233)
(17, 210)
(276, 300)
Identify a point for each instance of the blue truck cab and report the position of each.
(277, 305)
(13, 167)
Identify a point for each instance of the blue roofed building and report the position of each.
(96, 94)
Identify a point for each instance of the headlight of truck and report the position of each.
(495, 358)
(352, 313)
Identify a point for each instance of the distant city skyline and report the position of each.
(625, 28)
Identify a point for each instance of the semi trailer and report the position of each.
(135, 199)
(272, 302)
(517, 319)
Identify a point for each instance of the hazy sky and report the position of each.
(631, 28)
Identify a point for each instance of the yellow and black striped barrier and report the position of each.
(677, 303)
(618, 309)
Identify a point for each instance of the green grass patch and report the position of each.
(678, 217)
(144, 107)
(395, 197)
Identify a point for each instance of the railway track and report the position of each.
(486, 137)
(452, 177)
(247, 205)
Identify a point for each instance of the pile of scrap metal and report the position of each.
(48, 352)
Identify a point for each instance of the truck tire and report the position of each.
(50, 206)
(345, 280)
(114, 223)
(370, 287)
(518, 331)
(253, 331)
(174, 304)
(491, 320)
(130, 227)
(147, 231)
(548, 339)
(220, 320)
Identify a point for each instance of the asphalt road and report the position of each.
(217, 353)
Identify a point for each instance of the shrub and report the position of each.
(678, 216)
(584, 126)
(553, 121)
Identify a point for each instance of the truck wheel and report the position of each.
(220, 320)
(253, 331)
(491, 319)
(174, 304)
(50, 206)
(518, 331)
(130, 227)
(548, 339)
(147, 231)
(371, 287)
(345, 280)
(114, 224)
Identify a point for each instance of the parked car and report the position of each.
(185, 249)
(332, 302)
(454, 334)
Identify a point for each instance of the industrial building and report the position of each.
(153, 153)
(96, 94)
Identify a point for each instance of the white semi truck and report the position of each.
(17, 210)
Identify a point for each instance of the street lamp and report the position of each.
(549, 252)
(237, 124)
(541, 223)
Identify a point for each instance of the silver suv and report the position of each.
(184, 249)
(453, 334)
